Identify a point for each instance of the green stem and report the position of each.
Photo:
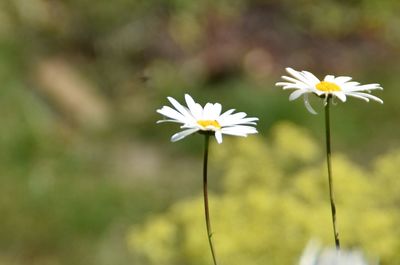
(329, 163)
(205, 192)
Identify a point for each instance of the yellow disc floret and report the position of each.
(327, 86)
(208, 123)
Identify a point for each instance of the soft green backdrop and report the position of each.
(87, 177)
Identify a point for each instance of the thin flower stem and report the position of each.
(205, 192)
(329, 163)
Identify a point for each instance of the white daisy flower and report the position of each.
(314, 254)
(305, 83)
(195, 118)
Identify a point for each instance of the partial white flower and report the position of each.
(306, 83)
(314, 254)
(195, 118)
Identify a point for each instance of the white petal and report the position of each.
(283, 84)
(226, 113)
(296, 94)
(340, 95)
(311, 77)
(242, 129)
(172, 114)
(358, 96)
(297, 86)
(366, 95)
(297, 75)
(191, 125)
(329, 78)
(168, 120)
(318, 92)
(214, 111)
(180, 135)
(208, 112)
(238, 115)
(218, 136)
(364, 87)
(217, 110)
(180, 108)
(342, 79)
(234, 133)
(351, 84)
(248, 121)
(231, 119)
(308, 105)
(194, 107)
(296, 82)
(251, 119)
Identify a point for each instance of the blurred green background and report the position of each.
(87, 177)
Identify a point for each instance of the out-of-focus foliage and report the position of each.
(126, 56)
(273, 202)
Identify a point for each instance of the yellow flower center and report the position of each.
(327, 86)
(207, 123)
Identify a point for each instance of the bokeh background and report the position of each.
(87, 177)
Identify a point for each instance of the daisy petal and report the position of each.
(168, 120)
(367, 96)
(365, 87)
(343, 79)
(308, 105)
(234, 133)
(226, 113)
(231, 119)
(329, 78)
(185, 112)
(358, 96)
(341, 96)
(241, 129)
(171, 113)
(218, 137)
(249, 121)
(217, 110)
(296, 94)
(297, 74)
(311, 77)
(180, 135)
(208, 112)
(295, 81)
(283, 84)
(296, 86)
(194, 107)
